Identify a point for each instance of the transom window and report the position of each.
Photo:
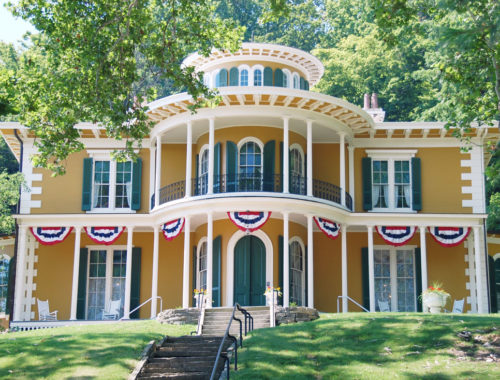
(395, 278)
(296, 273)
(244, 77)
(106, 280)
(112, 185)
(201, 282)
(4, 282)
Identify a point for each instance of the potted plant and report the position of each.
(434, 298)
(269, 295)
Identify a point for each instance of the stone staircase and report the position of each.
(187, 357)
(217, 318)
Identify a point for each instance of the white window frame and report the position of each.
(303, 276)
(393, 263)
(202, 241)
(390, 156)
(288, 75)
(204, 149)
(109, 271)
(254, 68)
(250, 75)
(301, 152)
(261, 146)
(295, 77)
(100, 155)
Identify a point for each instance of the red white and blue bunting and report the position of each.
(50, 235)
(249, 221)
(172, 229)
(449, 236)
(330, 229)
(104, 235)
(395, 235)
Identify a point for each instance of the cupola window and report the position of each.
(257, 77)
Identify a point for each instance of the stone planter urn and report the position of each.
(435, 302)
(269, 298)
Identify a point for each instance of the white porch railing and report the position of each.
(354, 302)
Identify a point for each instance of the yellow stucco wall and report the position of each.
(55, 263)
(441, 180)
(54, 201)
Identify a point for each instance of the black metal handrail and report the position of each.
(241, 182)
(227, 335)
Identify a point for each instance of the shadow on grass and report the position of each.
(356, 346)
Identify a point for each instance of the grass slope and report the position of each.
(369, 346)
(85, 352)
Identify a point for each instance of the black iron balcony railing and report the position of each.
(243, 183)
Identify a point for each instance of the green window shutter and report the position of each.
(136, 184)
(367, 183)
(82, 284)
(10, 286)
(231, 165)
(222, 78)
(416, 183)
(197, 180)
(135, 283)
(302, 83)
(268, 76)
(306, 85)
(278, 78)
(365, 278)
(306, 285)
(418, 278)
(233, 76)
(216, 271)
(87, 184)
(281, 166)
(269, 159)
(217, 177)
(280, 266)
(195, 273)
(493, 285)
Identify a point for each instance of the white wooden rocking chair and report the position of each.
(112, 311)
(44, 313)
(458, 307)
(383, 306)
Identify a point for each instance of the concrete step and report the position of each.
(179, 367)
(176, 376)
(162, 352)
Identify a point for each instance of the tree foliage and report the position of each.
(97, 61)
(9, 196)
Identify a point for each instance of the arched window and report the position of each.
(296, 82)
(233, 76)
(221, 79)
(257, 77)
(4, 281)
(297, 179)
(296, 273)
(285, 79)
(250, 167)
(244, 77)
(201, 278)
(203, 174)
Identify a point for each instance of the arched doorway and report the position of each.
(250, 271)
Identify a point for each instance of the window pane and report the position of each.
(123, 192)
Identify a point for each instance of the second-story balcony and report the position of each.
(253, 183)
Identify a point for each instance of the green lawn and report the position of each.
(373, 346)
(106, 351)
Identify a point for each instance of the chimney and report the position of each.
(372, 108)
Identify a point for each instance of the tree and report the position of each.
(96, 60)
(9, 196)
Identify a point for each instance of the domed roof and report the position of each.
(250, 51)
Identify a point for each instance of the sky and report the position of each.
(11, 28)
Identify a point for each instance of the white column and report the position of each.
(342, 168)
(185, 272)
(158, 171)
(128, 273)
(423, 262)
(371, 269)
(189, 157)
(20, 274)
(479, 282)
(350, 149)
(154, 286)
(286, 261)
(310, 262)
(309, 159)
(210, 257)
(211, 156)
(343, 232)
(76, 270)
(152, 177)
(286, 155)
